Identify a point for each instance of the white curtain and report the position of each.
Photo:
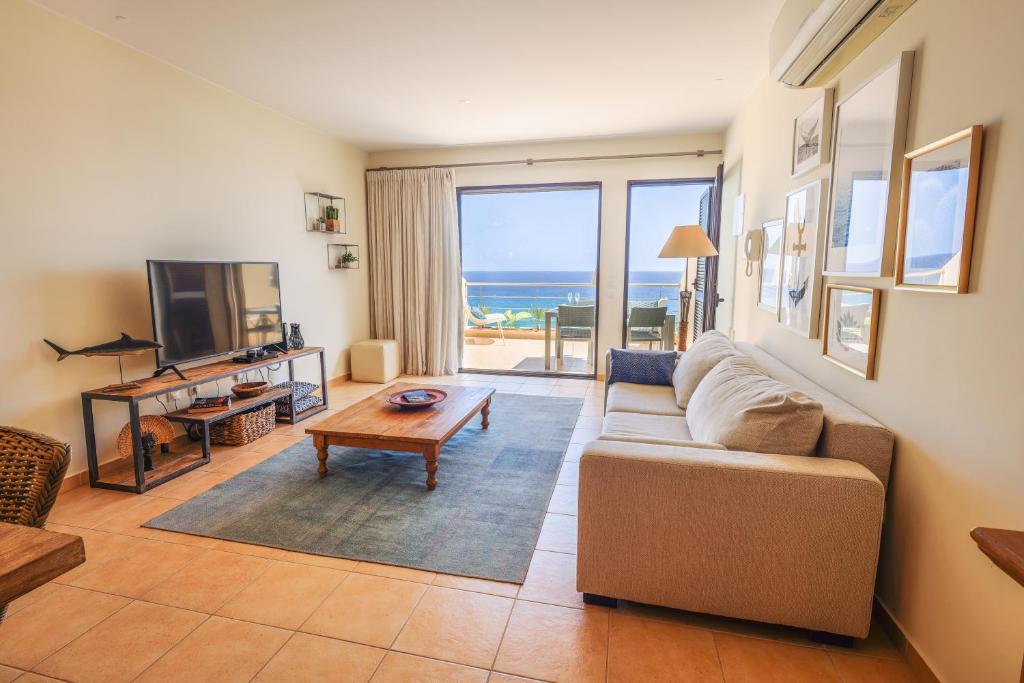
(415, 267)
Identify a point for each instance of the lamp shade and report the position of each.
(687, 241)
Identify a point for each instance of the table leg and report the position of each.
(547, 340)
(321, 454)
(432, 454)
(485, 415)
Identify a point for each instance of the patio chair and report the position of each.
(32, 468)
(575, 323)
(479, 318)
(645, 324)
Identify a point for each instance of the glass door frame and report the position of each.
(542, 187)
(630, 184)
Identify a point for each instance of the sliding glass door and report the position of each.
(530, 261)
(651, 305)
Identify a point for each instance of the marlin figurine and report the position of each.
(125, 346)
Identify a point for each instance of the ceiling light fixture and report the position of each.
(120, 17)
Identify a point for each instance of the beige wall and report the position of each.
(109, 157)
(613, 174)
(949, 370)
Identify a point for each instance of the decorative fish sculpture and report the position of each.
(125, 346)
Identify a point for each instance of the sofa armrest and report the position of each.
(783, 539)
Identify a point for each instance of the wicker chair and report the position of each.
(32, 468)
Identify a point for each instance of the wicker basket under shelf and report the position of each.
(243, 428)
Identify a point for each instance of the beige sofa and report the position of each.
(667, 520)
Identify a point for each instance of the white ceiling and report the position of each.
(389, 74)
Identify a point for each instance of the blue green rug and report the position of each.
(483, 519)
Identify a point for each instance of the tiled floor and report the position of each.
(159, 606)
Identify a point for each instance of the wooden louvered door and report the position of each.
(705, 285)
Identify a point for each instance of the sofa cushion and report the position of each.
(656, 429)
(744, 409)
(642, 367)
(626, 397)
(710, 348)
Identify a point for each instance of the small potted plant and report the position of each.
(331, 219)
(348, 260)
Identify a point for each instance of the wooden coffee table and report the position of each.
(374, 423)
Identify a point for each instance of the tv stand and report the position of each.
(183, 455)
(172, 368)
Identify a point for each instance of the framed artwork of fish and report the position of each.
(799, 301)
(938, 202)
(812, 134)
(851, 328)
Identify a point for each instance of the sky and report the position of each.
(557, 229)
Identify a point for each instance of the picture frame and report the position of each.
(938, 203)
(868, 142)
(812, 135)
(850, 331)
(771, 261)
(803, 240)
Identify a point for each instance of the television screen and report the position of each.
(203, 309)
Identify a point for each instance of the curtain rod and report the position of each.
(553, 160)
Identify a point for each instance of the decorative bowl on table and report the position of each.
(249, 389)
(407, 400)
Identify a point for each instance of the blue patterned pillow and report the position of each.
(642, 367)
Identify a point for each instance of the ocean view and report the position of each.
(526, 291)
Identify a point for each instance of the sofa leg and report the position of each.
(827, 638)
(594, 599)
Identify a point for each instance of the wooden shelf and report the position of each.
(184, 455)
(238, 405)
(1005, 547)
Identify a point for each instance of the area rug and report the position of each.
(482, 521)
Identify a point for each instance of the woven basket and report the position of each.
(161, 429)
(244, 428)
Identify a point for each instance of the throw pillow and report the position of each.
(642, 367)
(742, 408)
(709, 349)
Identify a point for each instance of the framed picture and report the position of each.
(771, 262)
(937, 207)
(851, 328)
(811, 135)
(799, 303)
(869, 142)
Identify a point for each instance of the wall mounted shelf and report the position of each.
(336, 253)
(325, 213)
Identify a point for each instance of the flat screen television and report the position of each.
(208, 308)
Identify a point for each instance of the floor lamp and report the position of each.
(686, 242)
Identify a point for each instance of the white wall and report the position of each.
(613, 175)
(109, 157)
(949, 367)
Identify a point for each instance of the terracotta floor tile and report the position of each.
(573, 452)
(250, 549)
(130, 521)
(587, 422)
(393, 572)
(456, 626)
(7, 674)
(87, 507)
(319, 560)
(221, 650)
(644, 650)
(314, 658)
(100, 547)
(366, 609)
(401, 668)
(239, 463)
(208, 581)
(584, 436)
(569, 475)
(189, 485)
(877, 644)
(29, 677)
(552, 579)
(505, 678)
(555, 643)
(37, 631)
(140, 634)
(143, 567)
(861, 669)
(764, 661)
(179, 538)
(564, 500)
(32, 597)
(284, 595)
(505, 590)
(558, 534)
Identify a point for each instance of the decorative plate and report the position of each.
(398, 399)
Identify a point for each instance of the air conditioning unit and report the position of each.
(812, 40)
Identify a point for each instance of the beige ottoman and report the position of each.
(375, 360)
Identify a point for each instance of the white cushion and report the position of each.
(741, 407)
(657, 429)
(626, 397)
(710, 348)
